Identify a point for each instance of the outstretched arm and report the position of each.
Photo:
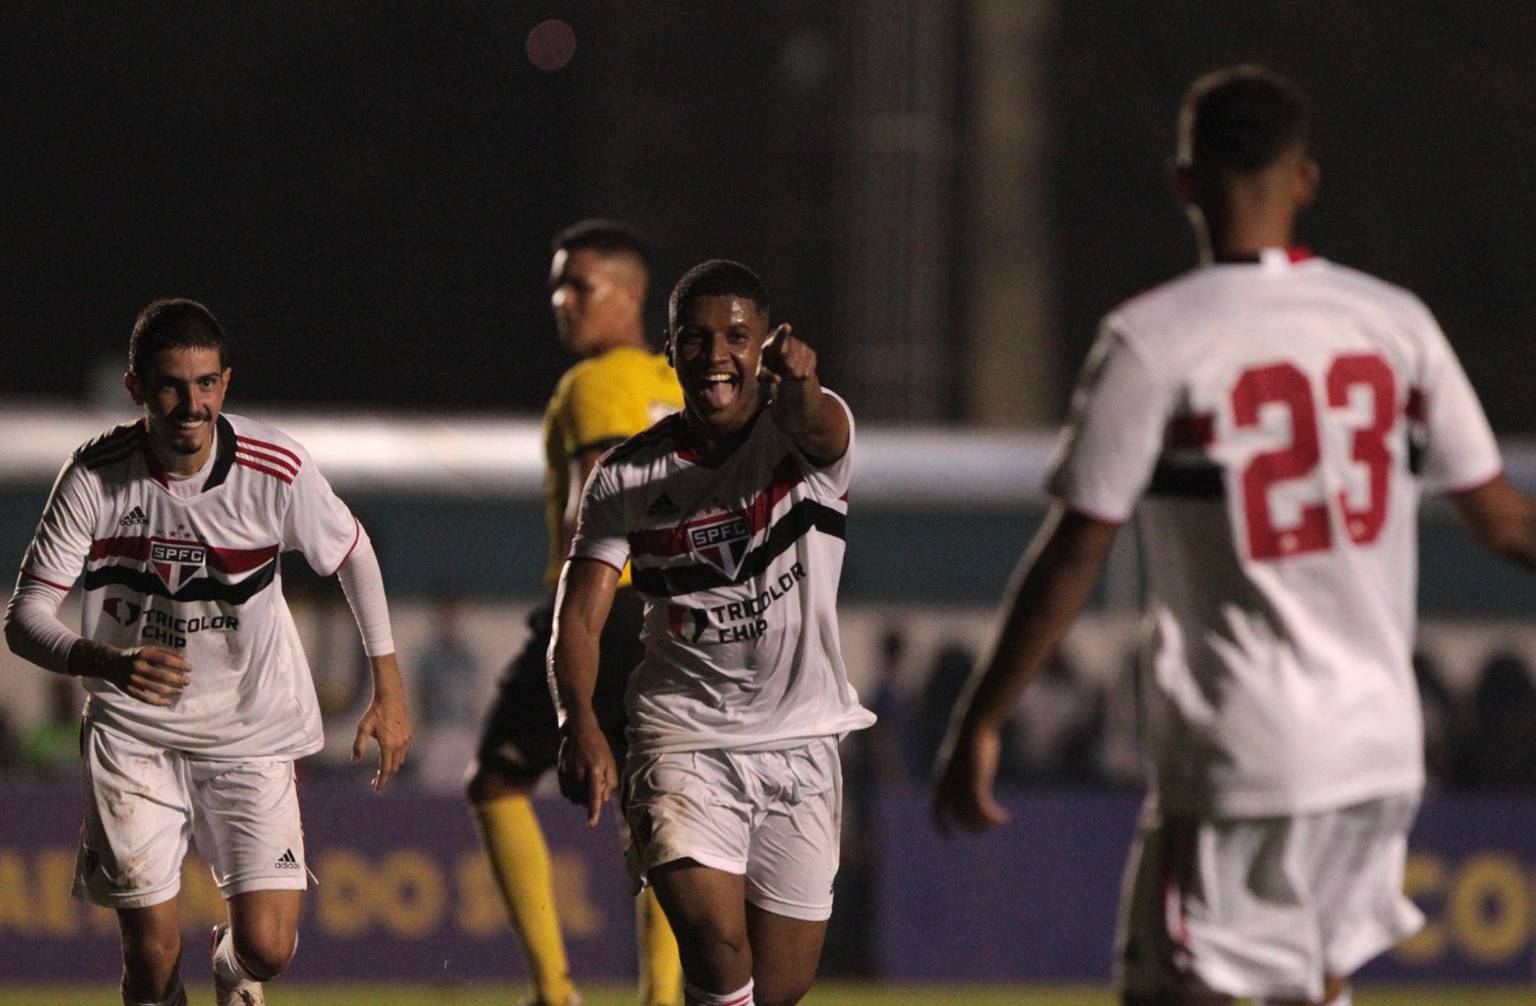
(588, 774)
(386, 719)
(1050, 586)
(815, 422)
(1501, 518)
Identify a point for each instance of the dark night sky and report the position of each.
(364, 200)
(365, 193)
(1422, 116)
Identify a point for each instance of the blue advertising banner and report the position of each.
(404, 892)
(1036, 899)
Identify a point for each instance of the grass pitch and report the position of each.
(828, 993)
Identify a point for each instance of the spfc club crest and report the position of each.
(176, 562)
(721, 541)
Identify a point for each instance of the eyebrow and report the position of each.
(195, 377)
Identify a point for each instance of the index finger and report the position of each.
(387, 767)
(597, 793)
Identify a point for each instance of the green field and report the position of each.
(830, 993)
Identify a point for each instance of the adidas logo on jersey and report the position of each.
(287, 861)
(662, 507)
(135, 518)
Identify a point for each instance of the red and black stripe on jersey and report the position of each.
(805, 516)
(267, 458)
(125, 566)
(123, 442)
(799, 520)
(1183, 469)
(668, 427)
(114, 445)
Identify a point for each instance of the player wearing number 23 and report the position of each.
(1271, 420)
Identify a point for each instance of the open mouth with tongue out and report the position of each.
(718, 388)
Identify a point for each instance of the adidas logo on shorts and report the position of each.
(287, 861)
(135, 517)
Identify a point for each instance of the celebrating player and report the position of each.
(597, 289)
(1277, 416)
(732, 515)
(199, 699)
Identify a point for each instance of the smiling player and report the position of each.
(732, 516)
(200, 698)
(597, 284)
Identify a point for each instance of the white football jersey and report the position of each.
(197, 573)
(1277, 421)
(739, 566)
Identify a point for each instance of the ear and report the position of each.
(671, 358)
(131, 382)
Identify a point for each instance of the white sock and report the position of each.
(178, 997)
(698, 997)
(225, 964)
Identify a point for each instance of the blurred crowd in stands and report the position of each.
(1070, 730)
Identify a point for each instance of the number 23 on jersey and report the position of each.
(1286, 385)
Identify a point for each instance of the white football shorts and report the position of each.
(1264, 907)
(143, 804)
(771, 816)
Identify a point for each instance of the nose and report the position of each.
(719, 347)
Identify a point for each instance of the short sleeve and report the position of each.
(318, 523)
(602, 407)
(600, 529)
(1459, 449)
(62, 543)
(1112, 440)
(831, 481)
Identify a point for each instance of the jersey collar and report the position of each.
(223, 460)
(1272, 258)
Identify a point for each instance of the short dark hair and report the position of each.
(607, 237)
(1239, 120)
(718, 277)
(172, 323)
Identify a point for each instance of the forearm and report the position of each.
(1520, 546)
(363, 584)
(1502, 519)
(1052, 583)
(573, 657)
(813, 420)
(34, 633)
(582, 602)
(388, 683)
(797, 407)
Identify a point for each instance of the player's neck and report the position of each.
(1250, 218)
(632, 339)
(712, 442)
(1246, 236)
